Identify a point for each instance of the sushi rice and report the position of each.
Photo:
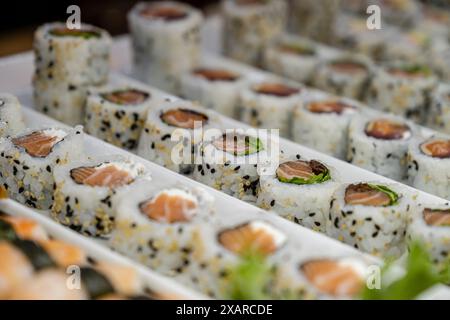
(11, 120)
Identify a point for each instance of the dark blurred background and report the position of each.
(20, 18)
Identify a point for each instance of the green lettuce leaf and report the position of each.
(392, 195)
(317, 178)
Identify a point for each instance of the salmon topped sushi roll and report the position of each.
(215, 86)
(28, 160)
(87, 192)
(321, 121)
(159, 226)
(380, 144)
(252, 238)
(165, 40)
(427, 160)
(269, 104)
(116, 114)
(299, 190)
(371, 217)
(172, 133)
(67, 62)
(230, 162)
(250, 25)
(335, 278)
(403, 89)
(11, 118)
(295, 57)
(344, 75)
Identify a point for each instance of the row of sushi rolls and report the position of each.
(379, 99)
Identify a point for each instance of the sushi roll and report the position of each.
(87, 192)
(439, 56)
(371, 217)
(439, 115)
(249, 25)
(345, 75)
(403, 89)
(172, 132)
(299, 190)
(159, 226)
(402, 13)
(216, 88)
(315, 19)
(407, 46)
(67, 62)
(27, 162)
(295, 57)
(322, 276)
(117, 114)
(229, 162)
(380, 144)
(431, 227)
(165, 39)
(428, 161)
(11, 120)
(269, 104)
(225, 246)
(321, 121)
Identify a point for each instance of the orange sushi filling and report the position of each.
(165, 12)
(436, 148)
(386, 129)
(126, 97)
(107, 176)
(169, 208)
(37, 144)
(183, 118)
(216, 74)
(330, 106)
(437, 218)
(276, 89)
(363, 194)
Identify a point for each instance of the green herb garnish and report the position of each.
(393, 196)
(85, 34)
(420, 275)
(250, 279)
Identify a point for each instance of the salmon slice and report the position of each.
(183, 118)
(253, 237)
(387, 130)
(37, 144)
(124, 279)
(348, 67)
(165, 12)
(49, 284)
(300, 169)
(170, 207)
(276, 89)
(107, 175)
(437, 217)
(364, 194)
(14, 268)
(436, 148)
(332, 277)
(238, 144)
(409, 72)
(216, 74)
(83, 33)
(63, 253)
(329, 106)
(26, 228)
(126, 97)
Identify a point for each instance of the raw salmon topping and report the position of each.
(216, 74)
(183, 118)
(106, 175)
(25, 228)
(437, 217)
(297, 49)
(126, 97)
(329, 106)
(302, 172)
(387, 130)
(369, 195)
(165, 12)
(438, 148)
(37, 144)
(170, 206)
(238, 144)
(349, 67)
(82, 33)
(332, 277)
(276, 89)
(63, 253)
(250, 238)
